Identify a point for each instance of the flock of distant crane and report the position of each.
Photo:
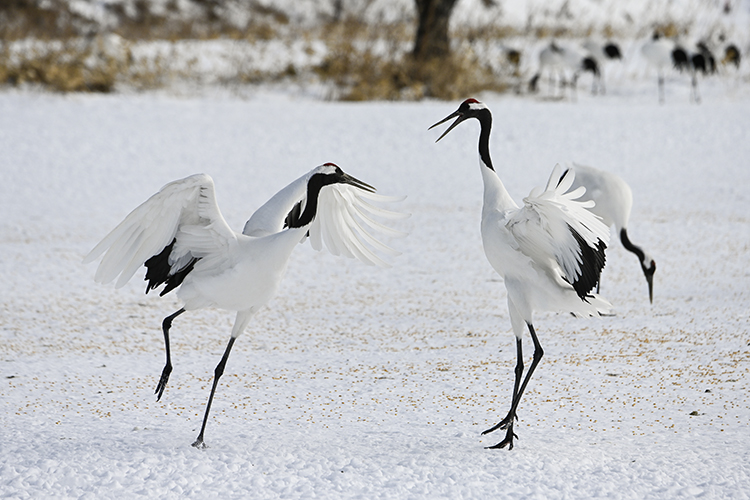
(568, 62)
(550, 251)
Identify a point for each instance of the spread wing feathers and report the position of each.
(345, 223)
(184, 216)
(270, 217)
(560, 233)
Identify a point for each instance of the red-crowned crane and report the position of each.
(601, 52)
(662, 54)
(549, 252)
(558, 59)
(614, 200)
(183, 240)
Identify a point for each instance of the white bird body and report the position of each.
(595, 49)
(521, 246)
(664, 54)
(613, 200)
(185, 243)
(549, 252)
(658, 52)
(558, 59)
(612, 196)
(551, 58)
(246, 278)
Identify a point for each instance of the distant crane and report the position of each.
(601, 52)
(550, 252)
(185, 243)
(614, 200)
(556, 59)
(663, 53)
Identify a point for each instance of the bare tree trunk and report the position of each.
(432, 31)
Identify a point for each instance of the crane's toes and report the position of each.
(503, 424)
(199, 444)
(163, 382)
(508, 441)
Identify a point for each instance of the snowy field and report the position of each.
(361, 382)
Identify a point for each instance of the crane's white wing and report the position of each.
(560, 233)
(347, 223)
(269, 218)
(184, 212)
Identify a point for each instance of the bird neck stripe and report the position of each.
(485, 121)
(629, 246)
(314, 185)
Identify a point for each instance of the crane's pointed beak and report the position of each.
(348, 179)
(461, 117)
(650, 280)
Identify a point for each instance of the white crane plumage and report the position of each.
(601, 52)
(557, 59)
(549, 252)
(613, 200)
(663, 54)
(185, 243)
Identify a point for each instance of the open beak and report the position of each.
(348, 179)
(461, 117)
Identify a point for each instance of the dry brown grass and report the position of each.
(362, 77)
(365, 62)
(63, 69)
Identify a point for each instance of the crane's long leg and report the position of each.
(507, 422)
(660, 84)
(574, 91)
(218, 372)
(165, 326)
(519, 375)
(694, 89)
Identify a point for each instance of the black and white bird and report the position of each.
(664, 54)
(181, 237)
(702, 59)
(549, 252)
(613, 200)
(558, 60)
(602, 52)
(701, 63)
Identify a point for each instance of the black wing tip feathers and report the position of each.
(593, 260)
(158, 271)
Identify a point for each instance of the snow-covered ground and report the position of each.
(360, 382)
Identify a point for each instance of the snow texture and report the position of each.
(360, 382)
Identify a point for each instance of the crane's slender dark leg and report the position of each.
(507, 422)
(519, 375)
(165, 326)
(218, 372)
(574, 91)
(660, 83)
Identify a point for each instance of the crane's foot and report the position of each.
(199, 443)
(503, 424)
(508, 441)
(163, 381)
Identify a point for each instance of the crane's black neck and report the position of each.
(630, 246)
(301, 218)
(485, 121)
